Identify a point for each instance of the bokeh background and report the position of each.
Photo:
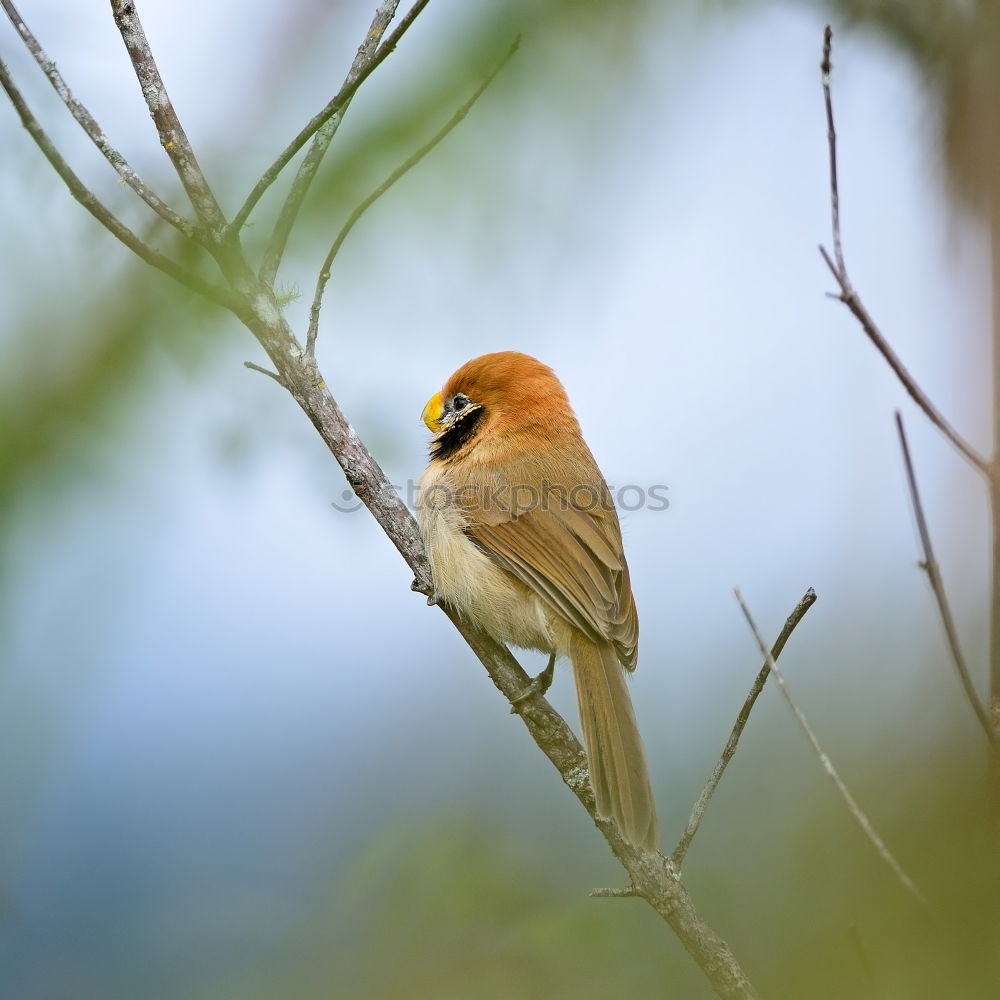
(238, 758)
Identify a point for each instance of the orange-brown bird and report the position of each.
(524, 541)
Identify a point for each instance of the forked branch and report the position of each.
(850, 298)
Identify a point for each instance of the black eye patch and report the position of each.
(467, 417)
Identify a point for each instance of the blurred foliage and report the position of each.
(452, 906)
(55, 403)
(457, 909)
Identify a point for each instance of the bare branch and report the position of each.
(104, 216)
(403, 168)
(172, 135)
(335, 106)
(89, 124)
(698, 812)
(850, 298)
(930, 565)
(855, 810)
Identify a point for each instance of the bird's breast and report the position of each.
(465, 576)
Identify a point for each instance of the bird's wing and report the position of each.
(572, 558)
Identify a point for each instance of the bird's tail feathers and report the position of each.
(618, 773)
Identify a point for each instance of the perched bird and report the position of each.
(524, 541)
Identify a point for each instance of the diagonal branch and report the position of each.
(653, 877)
(89, 124)
(852, 300)
(930, 566)
(106, 218)
(698, 812)
(403, 168)
(172, 135)
(855, 810)
(334, 107)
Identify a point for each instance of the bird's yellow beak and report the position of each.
(432, 412)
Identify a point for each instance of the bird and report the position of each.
(523, 540)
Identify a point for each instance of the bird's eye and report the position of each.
(460, 401)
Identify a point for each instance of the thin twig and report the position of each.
(627, 892)
(334, 106)
(265, 371)
(403, 168)
(172, 135)
(850, 298)
(852, 805)
(310, 164)
(698, 812)
(930, 565)
(826, 67)
(89, 125)
(104, 216)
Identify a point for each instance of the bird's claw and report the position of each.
(538, 685)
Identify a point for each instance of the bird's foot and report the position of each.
(538, 685)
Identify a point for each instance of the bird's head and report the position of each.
(505, 397)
